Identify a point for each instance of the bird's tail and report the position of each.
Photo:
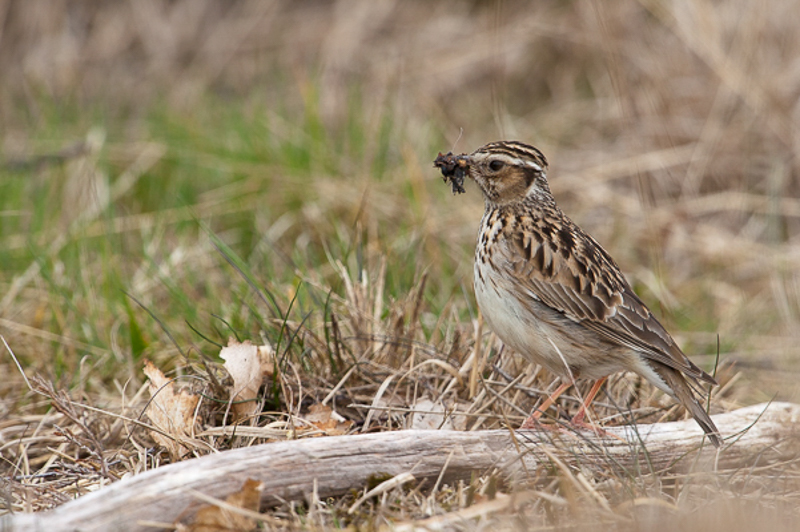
(683, 394)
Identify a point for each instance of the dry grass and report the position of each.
(311, 216)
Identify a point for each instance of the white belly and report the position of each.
(542, 335)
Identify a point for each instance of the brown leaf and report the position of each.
(247, 365)
(173, 413)
(322, 417)
(213, 518)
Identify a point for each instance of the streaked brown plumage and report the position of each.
(553, 294)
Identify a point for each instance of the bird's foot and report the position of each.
(580, 424)
(532, 422)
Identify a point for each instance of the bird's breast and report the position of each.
(540, 333)
(515, 322)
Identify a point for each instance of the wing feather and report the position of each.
(582, 281)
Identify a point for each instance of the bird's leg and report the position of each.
(578, 419)
(533, 419)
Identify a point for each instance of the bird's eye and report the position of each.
(496, 166)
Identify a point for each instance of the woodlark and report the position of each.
(553, 294)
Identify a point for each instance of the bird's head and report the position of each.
(506, 172)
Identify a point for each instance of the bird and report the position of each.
(551, 292)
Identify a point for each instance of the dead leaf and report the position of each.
(430, 415)
(173, 413)
(247, 365)
(322, 417)
(213, 518)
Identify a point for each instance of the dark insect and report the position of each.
(454, 169)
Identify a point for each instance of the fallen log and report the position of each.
(289, 470)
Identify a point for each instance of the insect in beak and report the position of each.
(454, 169)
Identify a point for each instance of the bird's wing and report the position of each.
(570, 272)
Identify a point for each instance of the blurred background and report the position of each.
(177, 172)
(139, 138)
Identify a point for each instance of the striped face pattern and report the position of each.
(552, 293)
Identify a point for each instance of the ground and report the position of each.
(176, 174)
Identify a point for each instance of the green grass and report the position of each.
(227, 228)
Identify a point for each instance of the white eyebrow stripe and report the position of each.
(526, 162)
(508, 159)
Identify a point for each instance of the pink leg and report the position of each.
(578, 419)
(534, 418)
